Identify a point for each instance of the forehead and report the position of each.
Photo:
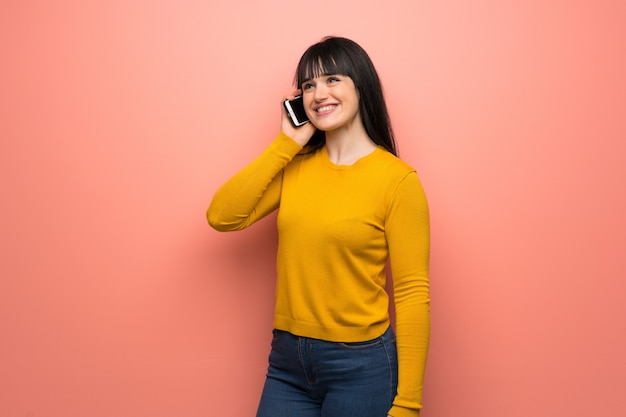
(320, 66)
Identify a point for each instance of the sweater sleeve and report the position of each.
(253, 192)
(408, 234)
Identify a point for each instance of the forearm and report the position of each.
(412, 338)
(253, 192)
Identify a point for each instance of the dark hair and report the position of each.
(336, 55)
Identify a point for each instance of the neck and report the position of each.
(348, 144)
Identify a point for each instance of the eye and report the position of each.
(307, 86)
(332, 80)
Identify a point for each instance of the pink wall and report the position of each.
(119, 120)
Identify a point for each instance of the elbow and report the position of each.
(220, 223)
(214, 220)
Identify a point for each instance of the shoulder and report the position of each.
(400, 177)
(391, 164)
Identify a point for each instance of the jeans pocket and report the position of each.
(369, 344)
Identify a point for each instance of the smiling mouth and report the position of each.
(325, 109)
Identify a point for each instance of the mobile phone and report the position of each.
(295, 111)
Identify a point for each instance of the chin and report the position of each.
(326, 127)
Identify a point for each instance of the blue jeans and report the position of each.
(314, 378)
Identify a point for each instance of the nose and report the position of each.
(321, 93)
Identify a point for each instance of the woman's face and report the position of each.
(331, 102)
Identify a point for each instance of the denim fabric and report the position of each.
(314, 378)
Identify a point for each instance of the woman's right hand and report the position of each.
(301, 134)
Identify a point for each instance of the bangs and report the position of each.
(322, 60)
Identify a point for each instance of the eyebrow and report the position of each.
(326, 74)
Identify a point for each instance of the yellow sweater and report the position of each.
(338, 226)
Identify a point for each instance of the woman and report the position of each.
(348, 205)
